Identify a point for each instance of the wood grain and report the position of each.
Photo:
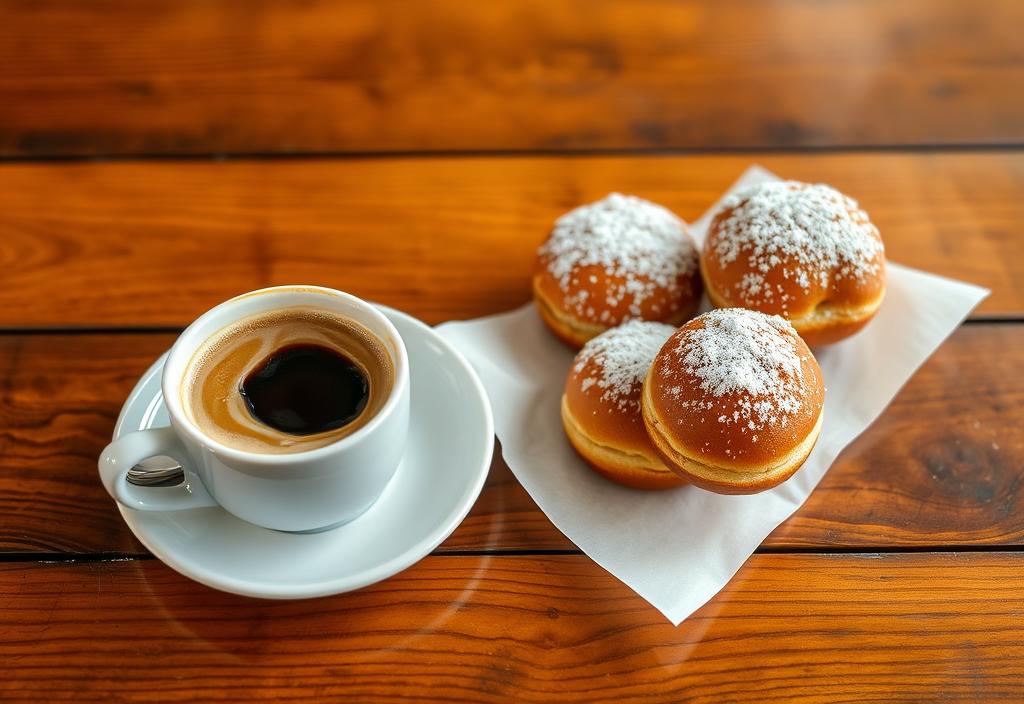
(156, 243)
(201, 76)
(807, 628)
(954, 480)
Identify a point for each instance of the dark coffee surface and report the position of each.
(298, 369)
(305, 389)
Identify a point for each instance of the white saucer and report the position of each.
(451, 439)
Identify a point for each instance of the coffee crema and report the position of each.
(288, 380)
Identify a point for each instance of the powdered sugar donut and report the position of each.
(601, 405)
(621, 258)
(805, 252)
(733, 401)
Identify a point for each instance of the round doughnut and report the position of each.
(805, 252)
(619, 259)
(733, 401)
(601, 405)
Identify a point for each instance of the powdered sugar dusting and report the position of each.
(811, 233)
(741, 352)
(628, 237)
(621, 358)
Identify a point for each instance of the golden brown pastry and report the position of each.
(733, 401)
(805, 252)
(619, 259)
(601, 405)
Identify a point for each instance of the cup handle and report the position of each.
(130, 449)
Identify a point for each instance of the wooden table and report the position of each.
(163, 156)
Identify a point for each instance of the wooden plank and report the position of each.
(954, 480)
(156, 243)
(59, 402)
(200, 76)
(808, 628)
(943, 465)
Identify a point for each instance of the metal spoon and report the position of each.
(156, 471)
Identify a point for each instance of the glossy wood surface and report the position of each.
(807, 628)
(415, 154)
(128, 244)
(223, 76)
(903, 483)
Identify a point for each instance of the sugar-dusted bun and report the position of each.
(618, 259)
(805, 252)
(601, 405)
(733, 401)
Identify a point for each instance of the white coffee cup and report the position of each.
(302, 491)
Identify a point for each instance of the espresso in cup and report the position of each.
(289, 380)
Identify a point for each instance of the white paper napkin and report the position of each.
(678, 548)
